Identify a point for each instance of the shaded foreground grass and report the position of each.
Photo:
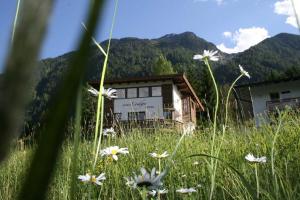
(185, 172)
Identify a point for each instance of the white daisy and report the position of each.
(156, 192)
(92, 179)
(244, 72)
(129, 181)
(251, 158)
(109, 132)
(196, 163)
(210, 55)
(159, 156)
(108, 93)
(113, 151)
(93, 91)
(186, 190)
(148, 180)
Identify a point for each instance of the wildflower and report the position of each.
(108, 93)
(92, 179)
(129, 181)
(244, 72)
(186, 190)
(189, 128)
(93, 91)
(210, 55)
(109, 132)
(251, 158)
(148, 180)
(159, 156)
(196, 163)
(156, 192)
(113, 151)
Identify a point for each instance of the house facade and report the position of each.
(268, 96)
(166, 98)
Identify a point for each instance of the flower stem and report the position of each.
(214, 128)
(101, 131)
(296, 14)
(15, 21)
(159, 168)
(227, 101)
(257, 181)
(100, 97)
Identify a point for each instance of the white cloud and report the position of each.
(227, 34)
(285, 7)
(243, 39)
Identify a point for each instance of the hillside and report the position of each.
(272, 58)
(129, 57)
(134, 57)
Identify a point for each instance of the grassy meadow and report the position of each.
(185, 172)
(210, 162)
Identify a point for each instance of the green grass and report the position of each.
(183, 173)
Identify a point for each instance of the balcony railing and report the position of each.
(283, 103)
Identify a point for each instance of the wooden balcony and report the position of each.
(281, 104)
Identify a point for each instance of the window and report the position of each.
(132, 93)
(121, 93)
(274, 96)
(140, 116)
(156, 91)
(144, 92)
(168, 114)
(132, 116)
(118, 116)
(286, 92)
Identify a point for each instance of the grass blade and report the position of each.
(44, 160)
(19, 70)
(250, 189)
(74, 164)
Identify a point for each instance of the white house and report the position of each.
(268, 96)
(156, 98)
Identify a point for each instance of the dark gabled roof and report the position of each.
(178, 79)
(268, 82)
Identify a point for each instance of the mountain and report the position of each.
(129, 57)
(134, 57)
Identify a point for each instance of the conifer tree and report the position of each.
(162, 66)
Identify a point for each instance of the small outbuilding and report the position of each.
(268, 96)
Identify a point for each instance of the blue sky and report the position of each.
(233, 25)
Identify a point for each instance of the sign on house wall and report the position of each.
(152, 106)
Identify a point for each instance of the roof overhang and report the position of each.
(261, 83)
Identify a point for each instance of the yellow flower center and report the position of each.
(114, 152)
(93, 179)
